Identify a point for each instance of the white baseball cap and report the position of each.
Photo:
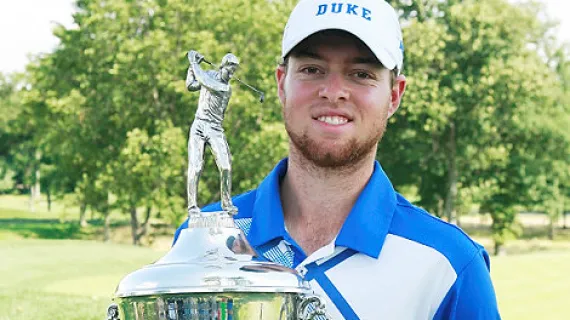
(374, 22)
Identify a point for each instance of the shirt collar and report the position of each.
(364, 230)
(367, 225)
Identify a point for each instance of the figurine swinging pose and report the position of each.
(215, 93)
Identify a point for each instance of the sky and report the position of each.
(26, 27)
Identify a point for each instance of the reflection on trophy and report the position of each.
(212, 271)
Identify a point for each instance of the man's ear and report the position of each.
(280, 75)
(396, 95)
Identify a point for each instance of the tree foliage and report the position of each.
(474, 119)
(106, 115)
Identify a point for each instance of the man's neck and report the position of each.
(316, 201)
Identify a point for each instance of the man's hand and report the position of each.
(195, 57)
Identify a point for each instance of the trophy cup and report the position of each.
(212, 272)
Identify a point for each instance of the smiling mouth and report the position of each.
(333, 120)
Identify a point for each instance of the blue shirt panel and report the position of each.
(472, 295)
(415, 224)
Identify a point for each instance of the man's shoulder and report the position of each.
(417, 225)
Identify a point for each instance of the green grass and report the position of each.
(63, 279)
(50, 269)
(60, 209)
(75, 279)
(17, 222)
(532, 286)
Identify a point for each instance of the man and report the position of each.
(215, 93)
(329, 210)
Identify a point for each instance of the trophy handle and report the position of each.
(113, 312)
(309, 306)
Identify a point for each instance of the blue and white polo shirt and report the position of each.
(390, 260)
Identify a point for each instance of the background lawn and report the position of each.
(75, 279)
(63, 279)
(50, 269)
(533, 286)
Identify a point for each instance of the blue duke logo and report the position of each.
(346, 8)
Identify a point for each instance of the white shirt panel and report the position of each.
(332, 311)
(407, 281)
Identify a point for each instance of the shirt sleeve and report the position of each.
(184, 225)
(472, 296)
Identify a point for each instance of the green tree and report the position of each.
(475, 78)
(114, 88)
(20, 132)
(148, 174)
(9, 137)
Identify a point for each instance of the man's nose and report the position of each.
(334, 88)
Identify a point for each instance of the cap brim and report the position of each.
(381, 54)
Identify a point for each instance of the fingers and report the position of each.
(195, 57)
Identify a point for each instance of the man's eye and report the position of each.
(310, 70)
(363, 75)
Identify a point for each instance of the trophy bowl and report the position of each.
(210, 274)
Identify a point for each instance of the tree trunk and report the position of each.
(48, 193)
(134, 225)
(498, 249)
(555, 209)
(107, 226)
(440, 204)
(37, 193)
(35, 187)
(106, 212)
(143, 228)
(82, 214)
(144, 225)
(451, 195)
(551, 229)
(32, 207)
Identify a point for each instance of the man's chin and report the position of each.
(326, 153)
(331, 161)
(335, 155)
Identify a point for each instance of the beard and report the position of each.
(344, 155)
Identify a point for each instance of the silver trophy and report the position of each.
(211, 272)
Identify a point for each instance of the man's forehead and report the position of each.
(332, 38)
(311, 46)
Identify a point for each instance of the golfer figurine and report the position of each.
(215, 93)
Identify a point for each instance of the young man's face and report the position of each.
(336, 99)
